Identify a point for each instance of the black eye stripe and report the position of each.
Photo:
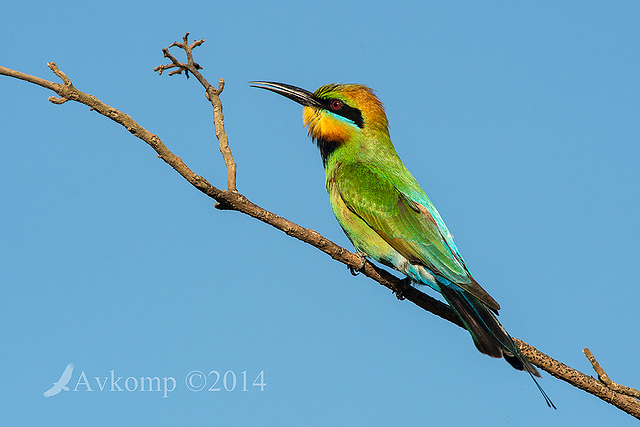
(341, 108)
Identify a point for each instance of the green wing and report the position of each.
(404, 224)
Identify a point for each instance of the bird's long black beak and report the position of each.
(301, 96)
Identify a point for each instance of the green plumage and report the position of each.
(381, 194)
(386, 214)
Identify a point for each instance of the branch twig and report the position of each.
(232, 200)
(604, 378)
(212, 94)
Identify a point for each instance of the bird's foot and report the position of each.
(404, 285)
(356, 270)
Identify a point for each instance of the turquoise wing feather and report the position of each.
(407, 221)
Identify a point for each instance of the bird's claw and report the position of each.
(356, 270)
(400, 290)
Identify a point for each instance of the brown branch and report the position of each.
(582, 381)
(604, 378)
(232, 200)
(212, 94)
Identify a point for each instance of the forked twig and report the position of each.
(604, 378)
(65, 80)
(212, 94)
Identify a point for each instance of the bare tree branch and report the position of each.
(212, 94)
(625, 398)
(604, 378)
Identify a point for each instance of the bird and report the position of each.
(386, 214)
(61, 384)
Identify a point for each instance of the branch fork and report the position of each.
(606, 381)
(212, 94)
(64, 88)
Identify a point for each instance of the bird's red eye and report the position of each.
(336, 104)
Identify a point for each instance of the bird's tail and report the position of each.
(488, 334)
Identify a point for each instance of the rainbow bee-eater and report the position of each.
(386, 214)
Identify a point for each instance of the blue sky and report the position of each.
(519, 120)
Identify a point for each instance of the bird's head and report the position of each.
(335, 113)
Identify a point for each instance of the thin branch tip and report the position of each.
(212, 94)
(54, 67)
(56, 100)
(189, 66)
(608, 382)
